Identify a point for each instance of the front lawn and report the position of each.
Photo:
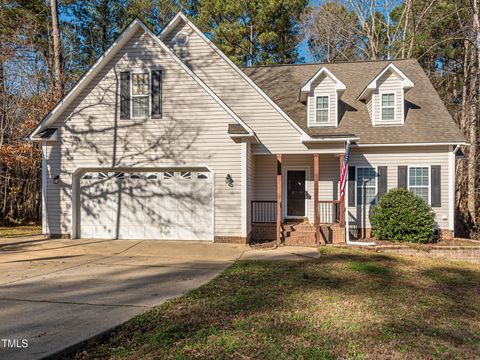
(25, 230)
(347, 304)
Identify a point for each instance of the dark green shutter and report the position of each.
(125, 95)
(436, 195)
(402, 177)
(156, 94)
(351, 185)
(382, 180)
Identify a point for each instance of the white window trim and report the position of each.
(136, 72)
(429, 167)
(394, 93)
(312, 122)
(356, 184)
(377, 118)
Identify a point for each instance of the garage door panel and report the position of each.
(156, 205)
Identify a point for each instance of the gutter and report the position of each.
(328, 139)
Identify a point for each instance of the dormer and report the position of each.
(321, 94)
(385, 96)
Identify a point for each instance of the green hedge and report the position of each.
(402, 216)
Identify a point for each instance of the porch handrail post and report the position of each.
(279, 196)
(316, 212)
(342, 199)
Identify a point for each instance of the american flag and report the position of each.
(343, 175)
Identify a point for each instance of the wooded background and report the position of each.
(45, 46)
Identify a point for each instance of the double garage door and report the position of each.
(164, 205)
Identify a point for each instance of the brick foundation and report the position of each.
(338, 234)
(59, 236)
(230, 239)
(445, 234)
(263, 232)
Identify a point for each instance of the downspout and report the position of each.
(347, 225)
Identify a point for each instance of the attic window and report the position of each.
(388, 107)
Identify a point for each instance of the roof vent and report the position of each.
(181, 39)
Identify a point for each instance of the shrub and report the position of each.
(400, 215)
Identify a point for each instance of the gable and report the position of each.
(277, 133)
(193, 127)
(323, 85)
(118, 45)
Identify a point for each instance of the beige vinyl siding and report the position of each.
(369, 107)
(392, 158)
(328, 176)
(272, 129)
(388, 83)
(250, 185)
(192, 132)
(323, 85)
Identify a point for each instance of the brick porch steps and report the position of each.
(298, 233)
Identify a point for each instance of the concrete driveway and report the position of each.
(55, 293)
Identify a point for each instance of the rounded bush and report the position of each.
(400, 215)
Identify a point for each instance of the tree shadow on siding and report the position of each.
(93, 136)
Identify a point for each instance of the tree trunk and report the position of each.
(58, 86)
(474, 110)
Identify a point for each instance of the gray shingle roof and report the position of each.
(236, 129)
(427, 119)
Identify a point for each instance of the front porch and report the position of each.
(295, 199)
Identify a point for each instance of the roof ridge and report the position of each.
(327, 63)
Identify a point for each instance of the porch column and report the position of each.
(316, 212)
(279, 196)
(342, 199)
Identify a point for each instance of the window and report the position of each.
(418, 182)
(186, 175)
(168, 175)
(322, 109)
(366, 186)
(388, 107)
(140, 95)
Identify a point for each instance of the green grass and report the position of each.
(13, 231)
(348, 304)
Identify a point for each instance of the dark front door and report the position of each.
(296, 193)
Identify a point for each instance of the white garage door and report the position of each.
(166, 205)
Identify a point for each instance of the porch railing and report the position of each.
(264, 211)
(329, 211)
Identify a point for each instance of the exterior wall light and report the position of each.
(229, 180)
(56, 179)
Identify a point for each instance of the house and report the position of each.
(166, 138)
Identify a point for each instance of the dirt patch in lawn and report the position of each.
(347, 304)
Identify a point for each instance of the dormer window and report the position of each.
(322, 109)
(321, 95)
(384, 96)
(388, 107)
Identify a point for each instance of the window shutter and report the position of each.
(402, 177)
(436, 195)
(157, 94)
(382, 180)
(125, 95)
(351, 185)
